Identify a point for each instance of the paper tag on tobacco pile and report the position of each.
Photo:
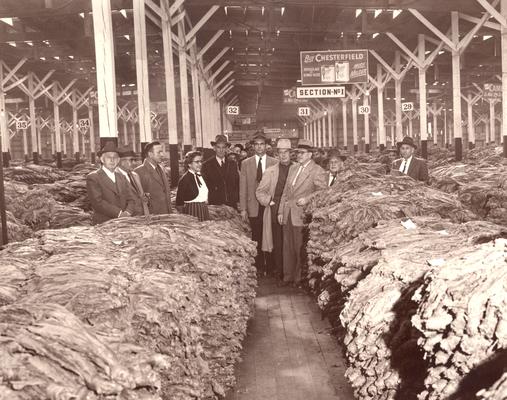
(409, 224)
(376, 194)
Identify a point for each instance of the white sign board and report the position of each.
(364, 110)
(84, 123)
(232, 110)
(320, 92)
(21, 125)
(408, 106)
(304, 111)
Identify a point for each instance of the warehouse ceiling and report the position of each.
(264, 38)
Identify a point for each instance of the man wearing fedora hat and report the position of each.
(128, 161)
(108, 190)
(408, 164)
(335, 162)
(252, 170)
(221, 175)
(269, 192)
(304, 179)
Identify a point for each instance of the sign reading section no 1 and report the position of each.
(319, 92)
(334, 66)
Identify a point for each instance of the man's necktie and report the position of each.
(198, 180)
(259, 170)
(333, 180)
(132, 182)
(405, 169)
(160, 172)
(301, 168)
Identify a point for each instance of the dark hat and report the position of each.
(127, 152)
(109, 147)
(305, 144)
(220, 139)
(407, 140)
(240, 146)
(335, 153)
(259, 136)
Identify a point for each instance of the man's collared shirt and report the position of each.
(263, 162)
(220, 161)
(301, 169)
(405, 165)
(109, 174)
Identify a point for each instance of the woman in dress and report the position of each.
(192, 193)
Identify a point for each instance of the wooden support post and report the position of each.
(170, 94)
(380, 103)
(492, 132)
(344, 123)
(33, 125)
(92, 134)
(397, 101)
(423, 111)
(106, 77)
(125, 132)
(367, 135)
(503, 35)
(330, 127)
(354, 124)
(143, 89)
(456, 88)
(185, 110)
(75, 128)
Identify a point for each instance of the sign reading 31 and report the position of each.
(304, 111)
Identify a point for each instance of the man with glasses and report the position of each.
(221, 175)
(304, 179)
(252, 170)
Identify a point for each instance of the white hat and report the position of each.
(284, 144)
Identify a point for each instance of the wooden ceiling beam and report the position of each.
(19, 9)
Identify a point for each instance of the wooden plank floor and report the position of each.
(289, 353)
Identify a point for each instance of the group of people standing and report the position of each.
(269, 192)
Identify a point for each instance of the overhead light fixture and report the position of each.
(8, 21)
(81, 68)
(246, 32)
(126, 37)
(396, 13)
(278, 32)
(123, 12)
(43, 58)
(375, 35)
(230, 32)
(13, 44)
(441, 52)
(358, 12)
(81, 15)
(29, 43)
(56, 57)
(262, 10)
(46, 42)
(298, 81)
(427, 52)
(71, 57)
(225, 10)
(486, 37)
(359, 34)
(377, 13)
(282, 11)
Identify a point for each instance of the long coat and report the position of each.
(158, 188)
(417, 169)
(108, 198)
(311, 179)
(248, 185)
(222, 183)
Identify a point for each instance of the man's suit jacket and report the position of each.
(157, 187)
(222, 182)
(311, 179)
(108, 198)
(141, 207)
(417, 168)
(248, 185)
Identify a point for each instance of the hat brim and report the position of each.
(399, 144)
(215, 143)
(304, 147)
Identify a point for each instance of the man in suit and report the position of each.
(303, 180)
(269, 192)
(154, 180)
(408, 164)
(128, 161)
(335, 162)
(108, 190)
(221, 175)
(252, 170)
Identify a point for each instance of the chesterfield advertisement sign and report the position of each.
(334, 66)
